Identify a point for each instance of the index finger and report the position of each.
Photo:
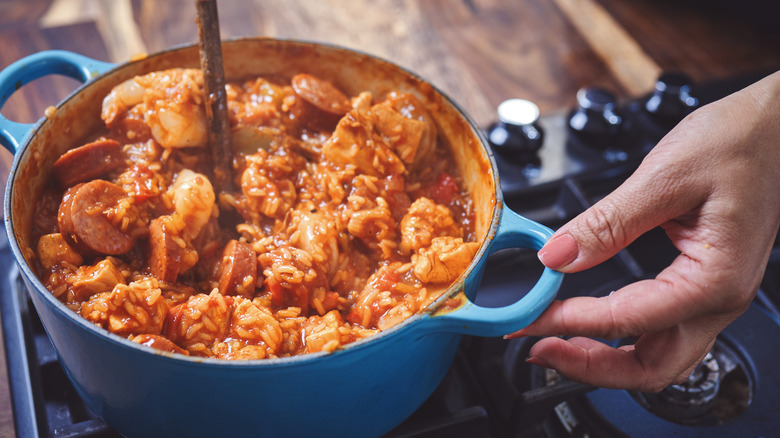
(640, 307)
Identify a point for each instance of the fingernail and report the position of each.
(559, 251)
(536, 361)
(515, 335)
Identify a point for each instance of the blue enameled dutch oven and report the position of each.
(364, 389)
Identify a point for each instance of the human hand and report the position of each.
(712, 185)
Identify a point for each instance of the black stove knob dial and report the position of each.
(672, 98)
(595, 117)
(517, 135)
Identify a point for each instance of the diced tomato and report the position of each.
(443, 191)
(331, 301)
(354, 317)
(277, 294)
(143, 184)
(283, 297)
(299, 297)
(386, 280)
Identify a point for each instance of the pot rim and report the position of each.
(408, 324)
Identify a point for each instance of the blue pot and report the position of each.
(364, 389)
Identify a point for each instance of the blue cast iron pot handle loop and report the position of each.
(514, 231)
(25, 70)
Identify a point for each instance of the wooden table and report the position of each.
(480, 52)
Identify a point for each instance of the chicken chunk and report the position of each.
(405, 122)
(444, 260)
(138, 307)
(401, 133)
(291, 277)
(380, 293)
(318, 234)
(375, 227)
(233, 349)
(321, 333)
(267, 185)
(424, 221)
(354, 142)
(198, 323)
(53, 250)
(255, 325)
(103, 276)
(158, 342)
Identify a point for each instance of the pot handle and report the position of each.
(514, 231)
(36, 66)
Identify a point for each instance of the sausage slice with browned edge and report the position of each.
(65, 219)
(88, 162)
(320, 93)
(320, 104)
(238, 269)
(84, 219)
(164, 252)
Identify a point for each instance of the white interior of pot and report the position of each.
(79, 116)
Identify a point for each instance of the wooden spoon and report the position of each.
(210, 44)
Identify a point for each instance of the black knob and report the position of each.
(672, 100)
(517, 136)
(595, 117)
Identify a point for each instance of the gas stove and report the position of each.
(552, 167)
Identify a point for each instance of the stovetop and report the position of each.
(549, 175)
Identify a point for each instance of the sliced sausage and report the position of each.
(88, 162)
(320, 104)
(320, 93)
(82, 219)
(64, 218)
(238, 270)
(164, 252)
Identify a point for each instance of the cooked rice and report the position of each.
(349, 238)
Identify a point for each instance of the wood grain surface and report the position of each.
(479, 52)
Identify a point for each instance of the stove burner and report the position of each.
(691, 398)
(722, 398)
(732, 393)
(716, 392)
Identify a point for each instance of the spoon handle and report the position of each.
(210, 44)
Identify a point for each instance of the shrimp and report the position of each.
(171, 250)
(121, 98)
(193, 199)
(172, 103)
